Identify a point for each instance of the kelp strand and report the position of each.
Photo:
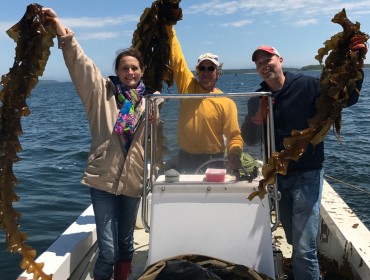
(151, 39)
(33, 35)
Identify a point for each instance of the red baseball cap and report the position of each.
(265, 48)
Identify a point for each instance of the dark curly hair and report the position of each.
(128, 52)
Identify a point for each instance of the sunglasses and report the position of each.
(209, 68)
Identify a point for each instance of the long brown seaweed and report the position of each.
(34, 35)
(151, 39)
(337, 80)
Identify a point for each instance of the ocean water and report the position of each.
(56, 141)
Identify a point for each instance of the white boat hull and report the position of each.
(341, 234)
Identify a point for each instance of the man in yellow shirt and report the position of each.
(203, 123)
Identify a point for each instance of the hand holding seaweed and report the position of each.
(34, 35)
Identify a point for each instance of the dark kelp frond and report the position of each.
(151, 39)
(33, 35)
(337, 80)
(338, 77)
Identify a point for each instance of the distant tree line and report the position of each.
(305, 68)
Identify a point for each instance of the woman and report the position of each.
(114, 107)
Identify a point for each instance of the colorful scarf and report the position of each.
(127, 119)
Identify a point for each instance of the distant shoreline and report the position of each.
(305, 68)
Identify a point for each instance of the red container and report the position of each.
(215, 175)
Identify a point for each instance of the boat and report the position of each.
(190, 214)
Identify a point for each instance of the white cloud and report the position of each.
(98, 35)
(88, 22)
(302, 11)
(305, 22)
(362, 12)
(207, 43)
(239, 23)
(214, 8)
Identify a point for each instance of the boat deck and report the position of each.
(142, 247)
(141, 238)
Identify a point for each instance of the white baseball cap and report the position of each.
(209, 56)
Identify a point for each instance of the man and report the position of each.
(203, 123)
(294, 99)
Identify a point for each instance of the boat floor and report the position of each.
(141, 245)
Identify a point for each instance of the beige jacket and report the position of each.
(109, 166)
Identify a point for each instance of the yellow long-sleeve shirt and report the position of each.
(202, 123)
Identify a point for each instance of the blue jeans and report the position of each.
(115, 217)
(299, 214)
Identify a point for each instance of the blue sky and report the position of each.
(231, 29)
